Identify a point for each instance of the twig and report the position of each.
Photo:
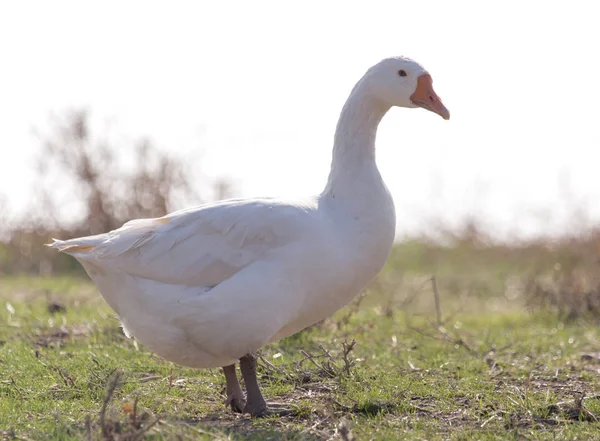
(348, 347)
(311, 358)
(352, 309)
(321, 347)
(88, 428)
(133, 414)
(415, 293)
(436, 296)
(487, 421)
(149, 378)
(138, 434)
(272, 367)
(113, 383)
(66, 378)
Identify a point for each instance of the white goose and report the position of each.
(210, 285)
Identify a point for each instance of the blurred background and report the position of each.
(118, 110)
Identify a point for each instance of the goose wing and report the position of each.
(200, 246)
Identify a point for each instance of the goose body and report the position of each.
(207, 286)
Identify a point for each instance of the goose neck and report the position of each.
(354, 141)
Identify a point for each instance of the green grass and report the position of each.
(491, 371)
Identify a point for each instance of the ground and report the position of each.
(395, 364)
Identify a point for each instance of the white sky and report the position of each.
(258, 86)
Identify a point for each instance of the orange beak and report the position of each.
(426, 97)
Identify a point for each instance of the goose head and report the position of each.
(402, 82)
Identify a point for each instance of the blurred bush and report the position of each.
(89, 186)
(559, 275)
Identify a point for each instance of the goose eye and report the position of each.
(402, 72)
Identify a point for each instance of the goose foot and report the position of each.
(257, 410)
(255, 403)
(235, 396)
(237, 404)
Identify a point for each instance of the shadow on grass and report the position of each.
(240, 427)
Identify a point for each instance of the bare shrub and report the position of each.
(570, 285)
(107, 184)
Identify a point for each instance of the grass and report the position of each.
(388, 366)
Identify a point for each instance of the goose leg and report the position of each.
(255, 404)
(235, 396)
